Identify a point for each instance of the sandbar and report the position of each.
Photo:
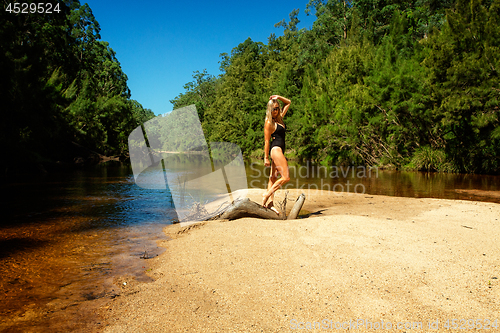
(357, 262)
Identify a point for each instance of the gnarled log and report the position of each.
(297, 207)
(248, 208)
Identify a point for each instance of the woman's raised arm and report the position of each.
(284, 100)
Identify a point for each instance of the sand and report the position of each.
(358, 262)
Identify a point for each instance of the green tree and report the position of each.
(61, 84)
(463, 61)
(399, 83)
(201, 92)
(239, 106)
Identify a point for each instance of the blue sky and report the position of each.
(161, 43)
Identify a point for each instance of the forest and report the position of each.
(64, 95)
(396, 84)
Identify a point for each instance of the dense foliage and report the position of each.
(391, 83)
(61, 88)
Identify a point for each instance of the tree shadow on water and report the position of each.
(11, 246)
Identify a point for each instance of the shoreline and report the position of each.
(356, 257)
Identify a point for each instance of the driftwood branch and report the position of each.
(248, 208)
(297, 207)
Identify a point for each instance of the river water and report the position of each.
(68, 237)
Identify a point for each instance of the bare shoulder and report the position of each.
(268, 125)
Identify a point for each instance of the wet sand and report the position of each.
(357, 262)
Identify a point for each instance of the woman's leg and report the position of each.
(281, 167)
(272, 179)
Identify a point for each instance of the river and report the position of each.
(68, 237)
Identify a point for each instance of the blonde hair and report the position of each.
(269, 111)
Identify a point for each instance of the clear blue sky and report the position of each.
(161, 43)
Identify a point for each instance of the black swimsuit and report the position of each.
(278, 138)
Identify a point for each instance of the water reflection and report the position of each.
(192, 177)
(66, 236)
(359, 179)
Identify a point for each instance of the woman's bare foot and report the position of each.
(270, 206)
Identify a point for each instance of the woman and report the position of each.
(274, 128)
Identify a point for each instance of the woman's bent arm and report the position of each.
(284, 100)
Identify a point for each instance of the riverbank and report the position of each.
(383, 260)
